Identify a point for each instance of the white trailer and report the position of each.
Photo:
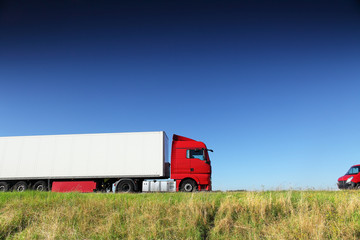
(102, 156)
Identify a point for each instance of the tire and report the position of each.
(4, 187)
(40, 186)
(125, 187)
(20, 186)
(188, 185)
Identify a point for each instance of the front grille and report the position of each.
(342, 184)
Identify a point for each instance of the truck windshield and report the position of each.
(353, 170)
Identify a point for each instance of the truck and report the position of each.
(104, 162)
(351, 179)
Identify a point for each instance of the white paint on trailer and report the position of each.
(115, 155)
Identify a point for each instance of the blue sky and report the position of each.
(273, 88)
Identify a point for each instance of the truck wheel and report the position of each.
(40, 186)
(20, 186)
(4, 187)
(125, 186)
(188, 186)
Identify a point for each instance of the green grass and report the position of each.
(239, 215)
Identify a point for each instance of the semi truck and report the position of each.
(351, 179)
(104, 162)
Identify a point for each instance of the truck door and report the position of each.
(198, 161)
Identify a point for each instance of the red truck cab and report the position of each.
(351, 179)
(190, 164)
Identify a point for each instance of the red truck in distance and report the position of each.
(351, 180)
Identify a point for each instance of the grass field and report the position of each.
(239, 215)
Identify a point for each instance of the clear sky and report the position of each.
(273, 88)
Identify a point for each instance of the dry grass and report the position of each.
(243, 215)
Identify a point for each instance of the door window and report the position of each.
(199, 154)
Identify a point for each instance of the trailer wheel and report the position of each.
(125, 186)
(4, 187)
(20, 186)
(40, 186)
(188, 185)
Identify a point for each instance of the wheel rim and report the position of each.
(40, 188)
(125, 188)
(20, 188)
(188, 187)
(2, 189)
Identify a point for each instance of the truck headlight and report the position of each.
(349, 179)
